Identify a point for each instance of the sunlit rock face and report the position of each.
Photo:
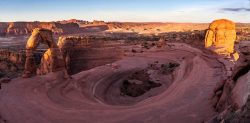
(71, 42)
(52, 59)
(220, 38)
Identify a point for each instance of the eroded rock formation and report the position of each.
(182, 96)
(172, 84)
(25, 28)
(83, 53)
(52, 59)
(220, 38)
(231, 97)
(194, 38)
(3, 28)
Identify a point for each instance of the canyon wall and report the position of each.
(83, 53)
(24, 28)
(77, 26)
(12, 62)
(17, 57)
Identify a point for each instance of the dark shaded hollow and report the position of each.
(135, 90)
(138, 84)
(241, 72)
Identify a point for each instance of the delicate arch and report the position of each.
(52, 58)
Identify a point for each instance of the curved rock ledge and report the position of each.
(93, 96)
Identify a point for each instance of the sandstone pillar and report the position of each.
(220, 38)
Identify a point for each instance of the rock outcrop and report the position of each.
(11, 63)
(96, 95)
(83, 53)
(25, 28)
(18, 28)
(194, 38)
(72, 21)
(70, 42)
(72, 54)
(234, 99)
(52, 59)
(220, 38)
(3, 28)
(231, 97)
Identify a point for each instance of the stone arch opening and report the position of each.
(51, 60)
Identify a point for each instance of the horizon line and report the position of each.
(113, 21)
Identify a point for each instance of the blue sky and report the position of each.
(125, 10)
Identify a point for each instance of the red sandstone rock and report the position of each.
(24, 28)
(96, 96)
(221, 37)
(83, 53)
(52, 59)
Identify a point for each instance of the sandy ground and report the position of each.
(93, 96)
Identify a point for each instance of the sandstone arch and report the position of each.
(52, 59)
(220, 38)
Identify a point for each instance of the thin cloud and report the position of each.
(236, 9)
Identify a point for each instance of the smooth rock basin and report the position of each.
(94, 96)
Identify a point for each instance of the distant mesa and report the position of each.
(72, 21)
(98, 22)
(64, 27)
(25, 28)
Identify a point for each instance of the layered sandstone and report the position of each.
(221, 37)
(83, 53)
(16, 57)
(103, 94)
(195, 38)
(11, 63)
(52, 59)
(3, 28)
(25, 28)
(231, 96)
(173, 84)
(72, 21)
